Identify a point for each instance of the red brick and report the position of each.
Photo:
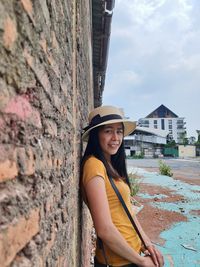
(45, 162)
(38, 69)
(28, 7)
(16, 236)
(54, 40)
(50, 127)
(49, 204)
(4, 94)
(22, 261)
(26, 161)
(50, 243)
(61, 262)
(8, 170)
(8, 165)
(10, 33)
(20, 106)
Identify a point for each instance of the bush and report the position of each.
(139, 156)
(164, 169)
(134, 183)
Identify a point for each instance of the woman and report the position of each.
(104, 157)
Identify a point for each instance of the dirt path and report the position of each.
(163, 219)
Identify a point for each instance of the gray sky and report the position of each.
(154, 59)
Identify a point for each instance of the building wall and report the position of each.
(45, 95)
(187, 151)
(175, 126)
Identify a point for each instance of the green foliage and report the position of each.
(134, 183)
(198, 139)
(185, 141)
(139, 156)
(171, 143)
(164, 169)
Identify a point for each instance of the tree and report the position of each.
(198, 138)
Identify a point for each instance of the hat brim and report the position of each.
(129, 127)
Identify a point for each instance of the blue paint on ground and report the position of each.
(182, 234)
(158, 196)
(182, 246)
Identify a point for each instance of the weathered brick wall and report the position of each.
(45, 95)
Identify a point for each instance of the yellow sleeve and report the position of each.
(93, 167)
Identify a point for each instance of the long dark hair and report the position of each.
(118, 160)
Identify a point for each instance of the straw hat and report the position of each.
(106, 115)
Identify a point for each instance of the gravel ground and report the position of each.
(171, 208)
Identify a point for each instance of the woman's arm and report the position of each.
(106, 230)
(151, 249)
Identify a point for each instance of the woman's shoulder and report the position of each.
(92, 160)
(93, 167)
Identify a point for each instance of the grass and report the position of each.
(164, 169)
(134, 183)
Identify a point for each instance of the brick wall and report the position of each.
(45, 95)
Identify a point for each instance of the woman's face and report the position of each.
(110, 138)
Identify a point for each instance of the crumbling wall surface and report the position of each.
(45, 95)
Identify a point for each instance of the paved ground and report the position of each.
(171, 214)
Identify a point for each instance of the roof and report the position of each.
(101, 28)
(153, 131)
(162, 112)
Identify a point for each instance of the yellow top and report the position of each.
(94, 167)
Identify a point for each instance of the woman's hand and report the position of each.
(147, 262)
(155, 254)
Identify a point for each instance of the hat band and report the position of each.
(98, 119)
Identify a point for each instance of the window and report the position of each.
(128, 143)
(155, 124)
(145, 123)
(162, 124)
(179, 121)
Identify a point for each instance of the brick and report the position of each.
(8, 170)
(10, 33)
(50, 127)
(45, 11)
(54, 66)
(57, 163)
(16, 236)
(8, 164)
(50, 242)
(26, 161)
(38, 69)
(4, 94)
(45, 162)
(21, 261)
(49, 204)
(28, 7)
(54, 40)
(62, 261)
(21, 107)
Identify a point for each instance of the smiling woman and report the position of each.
(110, 139)
(103, 169)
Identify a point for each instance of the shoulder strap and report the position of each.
(126, 210)
(101, 246)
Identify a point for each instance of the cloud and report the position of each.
(154, 57)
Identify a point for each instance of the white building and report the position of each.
(164, 119)
(145, 141)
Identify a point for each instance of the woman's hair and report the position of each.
(93, 148)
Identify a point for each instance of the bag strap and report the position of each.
(101, 246)
(126, 210)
